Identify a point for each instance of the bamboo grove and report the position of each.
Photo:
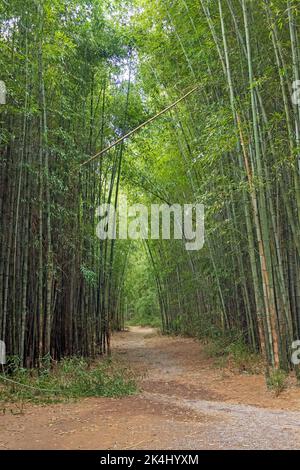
(60, 61)
(82, 73)
(238, 139)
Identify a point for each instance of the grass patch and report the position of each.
(233, 353)
(276, 381)
(71, 378)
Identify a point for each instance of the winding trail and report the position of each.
(185, 403)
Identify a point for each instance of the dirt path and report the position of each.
(185, 403)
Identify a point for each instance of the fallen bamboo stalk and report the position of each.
(133, 131)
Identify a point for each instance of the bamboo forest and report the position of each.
(188, 107)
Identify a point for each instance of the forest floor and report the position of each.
(185, 402)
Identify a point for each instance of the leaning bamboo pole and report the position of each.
(140, 126)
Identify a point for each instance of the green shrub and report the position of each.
(153, 321)
(69, 379)
(276, 381)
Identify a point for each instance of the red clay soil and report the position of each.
(185, 403)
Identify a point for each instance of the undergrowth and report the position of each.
(232, 352)
(70, 378)
(144, 320)
(276, 381)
